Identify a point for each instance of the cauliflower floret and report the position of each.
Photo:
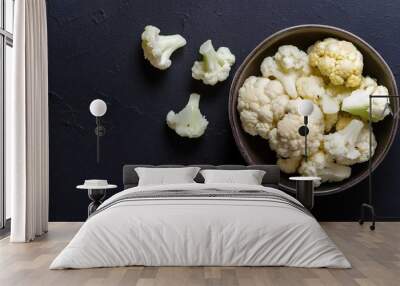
(288, 64)
(340, 61)
(362, 145)
(350, 145)
(321, 165)
(215, 65)
(158, 49)
(285, 139)
(290, 165)
(291, 58)
(313, 88)
(341, 144)
(261, 103)
(358, 102)
(189, 122)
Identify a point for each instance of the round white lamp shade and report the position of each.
(98, 107)
(305, 107)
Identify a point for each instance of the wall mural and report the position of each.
(167, 104)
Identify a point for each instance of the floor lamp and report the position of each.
(369, 206)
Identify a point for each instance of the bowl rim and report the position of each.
(235, 129)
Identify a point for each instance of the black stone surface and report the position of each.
(94, 52)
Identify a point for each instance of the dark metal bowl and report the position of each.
(255, 150)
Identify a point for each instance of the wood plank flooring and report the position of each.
(375, 257)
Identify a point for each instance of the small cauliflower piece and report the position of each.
(290, 58)
(340, 61)
(349, 145)
(287, 65)
(215, 65)
(285, 139)
(313, 88)
(158, 49)
(341, 144)
(362, 146)
(261, 103)
(358, 101)
(289, 165)
(189, 122)
(321, 165)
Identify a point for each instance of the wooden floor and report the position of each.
(375, 257)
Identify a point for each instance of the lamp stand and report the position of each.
(100, 131)
(369, 206)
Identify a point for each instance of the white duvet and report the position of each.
(200, 231)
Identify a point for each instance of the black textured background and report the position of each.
(94, 52)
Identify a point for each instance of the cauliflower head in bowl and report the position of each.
(339, 61)
(330, 74)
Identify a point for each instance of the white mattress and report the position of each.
(202, 231)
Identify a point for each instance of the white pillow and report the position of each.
(248, 177)
(163, 176)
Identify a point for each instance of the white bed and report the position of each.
(249, 225)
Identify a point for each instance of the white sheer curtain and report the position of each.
(27, 124)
